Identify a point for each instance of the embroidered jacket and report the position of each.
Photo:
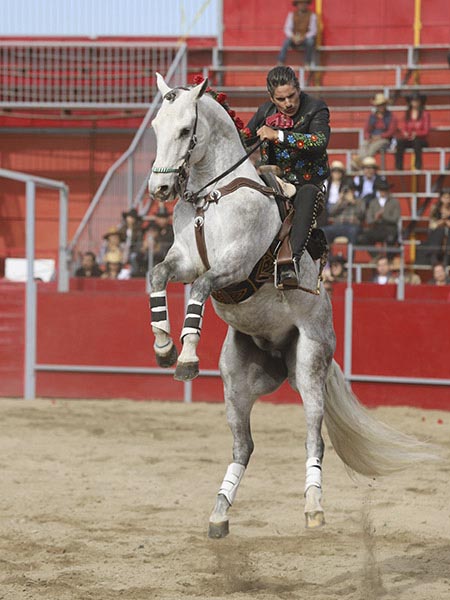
(302, 156)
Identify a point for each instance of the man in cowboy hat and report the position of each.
(132, 233)
(300, 30)
(379, 131)
(366, 182)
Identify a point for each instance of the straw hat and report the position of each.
(112, 231)
(369, 161)
(337, 165)
(380, 99)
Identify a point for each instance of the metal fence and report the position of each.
(81, 75)
(125, 184)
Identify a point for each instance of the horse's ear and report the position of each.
(162, 85)
(200, 89)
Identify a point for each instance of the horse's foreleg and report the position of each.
(247, 373)
(188, 362)
(312, 363)
(165, 349)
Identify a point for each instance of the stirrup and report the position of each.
(287, 276)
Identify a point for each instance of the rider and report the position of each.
(295, 129)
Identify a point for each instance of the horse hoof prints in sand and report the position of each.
(273, 335)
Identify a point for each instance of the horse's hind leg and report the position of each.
(312, 362)
(247, 373)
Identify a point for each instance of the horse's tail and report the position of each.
(365, 444)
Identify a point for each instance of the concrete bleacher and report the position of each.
(347, 79)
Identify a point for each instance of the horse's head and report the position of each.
(176, 129)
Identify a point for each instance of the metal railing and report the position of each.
(69, 74)
(125, 184)
(31, 183)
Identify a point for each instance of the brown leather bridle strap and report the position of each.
(234, 185)
(199, 222)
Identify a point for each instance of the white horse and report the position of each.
(273, 335)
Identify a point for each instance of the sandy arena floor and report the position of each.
(105, 500)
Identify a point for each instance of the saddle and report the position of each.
(280, 250)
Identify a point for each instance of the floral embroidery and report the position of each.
(307, 176)
(300, 144)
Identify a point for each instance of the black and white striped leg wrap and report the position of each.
(159, 312)
(313, 473)
(193, 319)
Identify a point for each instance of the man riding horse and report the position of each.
(295, 129)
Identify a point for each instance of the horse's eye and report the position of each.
(184, 132)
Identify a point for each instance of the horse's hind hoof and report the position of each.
(218, 530)
(314, 519)
(186, 371)
(169, 359)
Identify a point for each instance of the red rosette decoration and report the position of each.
(240, 125)
(221, 98)
(198, 79)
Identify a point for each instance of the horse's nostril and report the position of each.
(162, 191)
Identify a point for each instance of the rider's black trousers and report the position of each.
(307, 207)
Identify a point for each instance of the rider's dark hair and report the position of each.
(281, 76)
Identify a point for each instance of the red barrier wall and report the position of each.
(256, 23)
(108, 324)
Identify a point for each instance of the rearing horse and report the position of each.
(272, 336)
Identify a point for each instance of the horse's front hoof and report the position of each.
(169, 359)
(186, 371)
(314, 519)
(218, 530)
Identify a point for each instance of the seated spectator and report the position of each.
(436, 247)
(409, 276)
(335, 271)
(300, 29)
(379, 131)
(131, 231)
(113, 267)
(159, 238)
(89, 266)
(383, 217)
(346, 216)
(413, 131)
(383, 274)
(365, 183)
(440, 276)
(113, 243)
(333, 187)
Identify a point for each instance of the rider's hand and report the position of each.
(267, 133)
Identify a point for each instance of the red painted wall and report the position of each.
(256, 23)
(108, 324)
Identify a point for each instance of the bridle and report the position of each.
(183, 169)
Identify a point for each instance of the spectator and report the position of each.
(382, 275)
(131, 231)
(346, 217)
(333, 187)
(440, 276)
(113, 267)
(436, 247)
(365, 183)
(159, 236)
(383, 217)
(379, 131)
(113, 244)
(89, 266)
(409, 276)
(300, 29)
(414, 130)
(334, 272)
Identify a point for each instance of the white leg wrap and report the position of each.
(159, 312)
(313, 473)
(231, 481)
(194, 318)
